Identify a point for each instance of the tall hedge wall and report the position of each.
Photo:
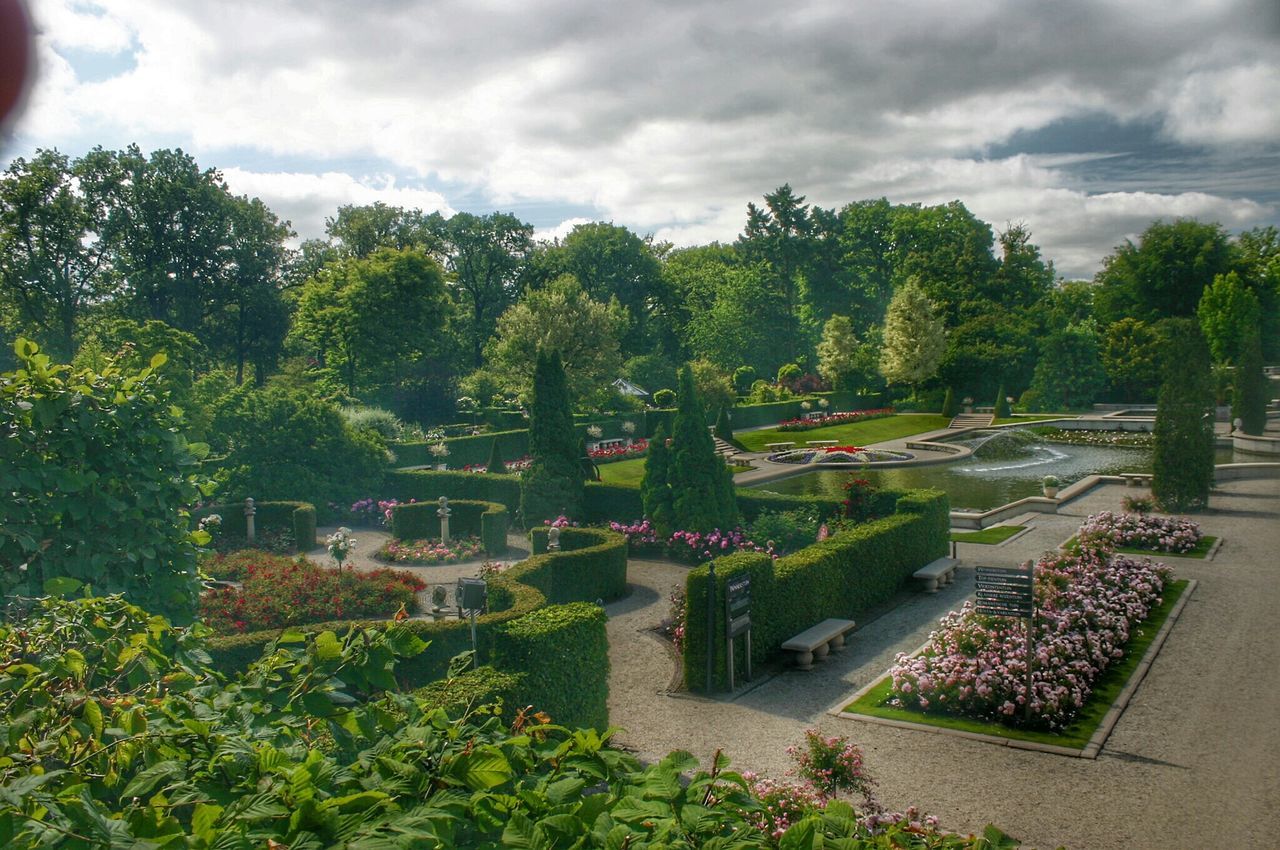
(621, 502)
(421, 520)
(296, 517)
(843, 576)
(563, 653)
(464, 451)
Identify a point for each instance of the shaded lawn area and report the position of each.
(995, 534)
(848, 434)
(1202, 549)
(1077, 734)
(628, 472)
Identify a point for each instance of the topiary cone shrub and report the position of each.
(949, 406)
(1002, 404)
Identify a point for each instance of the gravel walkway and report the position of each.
(1191, 764)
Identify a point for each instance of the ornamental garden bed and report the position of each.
(276, 591)
(876, 701)
(430, 552)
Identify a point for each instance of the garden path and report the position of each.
(1190, 764)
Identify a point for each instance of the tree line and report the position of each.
(411, 311)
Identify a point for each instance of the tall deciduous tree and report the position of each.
(563, 318)
(1131, 358)
(1229, 315)
(1182, 454)
(52, 263)
(1165, 274)
(485, 257)
(1069, 374)
(358, 231)
(914, 339)
(838, 361)
(552, 485)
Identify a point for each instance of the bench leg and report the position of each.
(949, 577)
(804, 660)
(820, 653)
(837, 643)
(930, 585)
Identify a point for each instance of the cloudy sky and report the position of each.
(1084, 120)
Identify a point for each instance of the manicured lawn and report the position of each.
(995, 534)
(1076, 735)
(849, 434)
(1202, 549)
(622, 472)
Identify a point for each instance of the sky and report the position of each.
(1083, 120)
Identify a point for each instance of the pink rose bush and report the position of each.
(975, 665)
(692, 546)
(833, 419)
(1141, 531)
(430, 551)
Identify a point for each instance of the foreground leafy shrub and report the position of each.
(278, 592)
(118, 736)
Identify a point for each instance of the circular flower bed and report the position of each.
(829, 455)
(431, 551)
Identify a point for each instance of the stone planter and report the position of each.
(1050, 492)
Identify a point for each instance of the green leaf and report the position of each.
(328, 647)
(563, 790)
(62, 586)
(159, 359)
(802, 835)
(481, 769)
(204, 819)
(149, 779)
(93, 716)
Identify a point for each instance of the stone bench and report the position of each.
(1134, 479)
(937, 574)
(815, 642)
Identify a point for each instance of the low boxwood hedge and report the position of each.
(467, 517)
(580, 575)
(842, 576)
(296, 517)
(563, 653)
(591, 564)
(463, 451)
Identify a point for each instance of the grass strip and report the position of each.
(628, 472)
(1078, 733)
(992, 535)
(848, 434)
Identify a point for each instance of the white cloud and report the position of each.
(307, 199)
(560, 231)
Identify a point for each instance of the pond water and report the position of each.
(1000, 471)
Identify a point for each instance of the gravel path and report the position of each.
(1191, 764)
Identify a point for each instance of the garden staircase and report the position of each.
(727, 451)
(972, 420)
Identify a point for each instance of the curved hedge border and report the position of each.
(298, 517)
(430, 484)
(486, 520)
(842, 576)
(590, 565)
(569, 635)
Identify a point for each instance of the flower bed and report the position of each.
(690, 546)
(520, 464)
(1141, 531)
(830, 419)
(638, 448)
(278, 592)
(431, 551)
(1082, 437)
(976, 665)
(370, 513)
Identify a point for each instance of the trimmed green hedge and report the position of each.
(591, 564)
(464, 451)
(752, 503)
(843, 576)
(297, 517)
(604, 502)
(486, 520)
(481, 686)
(563, 653)
(427, 485)
(622, 503)
(580, 575)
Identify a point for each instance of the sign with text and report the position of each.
(1005, 592)
(737, 605)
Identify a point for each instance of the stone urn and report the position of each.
(1050, 485)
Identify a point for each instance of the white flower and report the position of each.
(595, 432)
(628, 427)
(440, 449)
(822, 402)
(211, 523)
(804, 405)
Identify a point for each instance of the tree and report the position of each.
(779, 236)
(131, 346)
(1002, 404)
(485, 257)
(714, 389)
(1229, 315)
(743, 378)
(987, 347)
(914, 339)
(612, 262)
(552, 485)
(1165, 274)
(1182, 453)
(97, 479)
(724, 426)
(949, 406)
(1249, 396)
(495, 466)
(948, 253)
(358, 231)
(563, 318)
(838, 353)
(1023, 279)
(702, 494)
(52, 263)
(655, 487)
(866, 241)
(1069, 374)
(1131, 358)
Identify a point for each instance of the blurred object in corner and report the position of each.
(17, 62)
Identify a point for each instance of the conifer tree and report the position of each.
(586, 466)
(495, 466)
(655, 491)
(1182, 456)
(702, 494)
(949, 407)
(1002, 404)
(724, 428)
(1249, 396)
(552, 485)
